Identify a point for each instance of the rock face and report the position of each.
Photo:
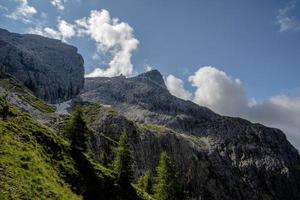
(237, 160)
(146, 99)
(216, 157)
(51, 69)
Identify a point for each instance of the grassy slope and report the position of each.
(12, 85)
(35, 161)
(28, 169)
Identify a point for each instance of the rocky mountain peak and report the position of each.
(154, 76)
(51, 69)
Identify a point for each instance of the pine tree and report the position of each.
(165, 187)
(5, 109)
(145, 182)
(123, 161)
(77, 130)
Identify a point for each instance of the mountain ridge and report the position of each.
(215, 157)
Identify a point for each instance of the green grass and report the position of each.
(35, 162)
(13, 86)
(32, 160)
(94, 111)
(144, 128)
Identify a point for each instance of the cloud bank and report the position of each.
(227, 96)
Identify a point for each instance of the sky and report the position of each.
(240, 58)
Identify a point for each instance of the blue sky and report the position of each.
(242, 38)
(252, 46)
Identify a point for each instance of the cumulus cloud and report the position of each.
(59, 4)
(226, 95)
(280, 111)
(286, 20)
(216, 90)
(64, 31)
(23, 12)
(176, 87)
(110, 35)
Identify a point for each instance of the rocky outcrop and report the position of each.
(216, 157)
(146, 99)
(51, 69)
(237, 160)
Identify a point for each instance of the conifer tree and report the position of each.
(145, 182)
(123, 161)
(5, 108)
(77, 130)
(165, 187)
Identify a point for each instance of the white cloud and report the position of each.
(218, 91)
(148, 67)
(282, 112)
(112, 36)
(286, 20)
(59, 4)
(3, 8)
(23, 12)
(64, 31)
(176, 87)
(227, 96)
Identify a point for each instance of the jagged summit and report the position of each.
(153, 75)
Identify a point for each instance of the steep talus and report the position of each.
(51, 69)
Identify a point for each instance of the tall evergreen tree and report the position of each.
(145, 182)
(5, 108)
(77, 130)
(123, 161)
(166, 187)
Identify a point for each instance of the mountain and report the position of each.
(146, 99)
(37, 160)
(217, 157)
(51, 69)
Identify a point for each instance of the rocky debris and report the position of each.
(62, 108)
(52, 70)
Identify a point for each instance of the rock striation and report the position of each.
(51, 69)
(237, 160)
(146, 99)
(216, 157)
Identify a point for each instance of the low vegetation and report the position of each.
(32, 157)
(38, 163)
